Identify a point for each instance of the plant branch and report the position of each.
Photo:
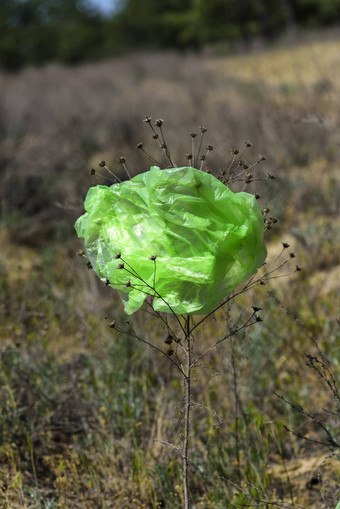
(248, 323)
(187, 406)
(134, 335)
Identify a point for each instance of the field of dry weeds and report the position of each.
(84, 410)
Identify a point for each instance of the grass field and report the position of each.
(84, 410)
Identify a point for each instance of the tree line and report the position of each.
(71, 31)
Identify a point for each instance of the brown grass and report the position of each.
(95, 406)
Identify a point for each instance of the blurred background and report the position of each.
(80, 407)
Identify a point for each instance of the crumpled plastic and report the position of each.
(179, 235)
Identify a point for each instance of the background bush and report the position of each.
(70, 31)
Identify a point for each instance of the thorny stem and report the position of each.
(187, 405)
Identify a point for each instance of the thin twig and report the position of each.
(299, 408)
(135, 274)
(248, 323)
(203, 131)
(134, 335)
(112, 174)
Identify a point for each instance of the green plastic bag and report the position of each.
(206, 239)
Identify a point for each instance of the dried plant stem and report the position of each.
(187, 407)
(166, 149)
(152, 159)
(192, 160)
(111, 173)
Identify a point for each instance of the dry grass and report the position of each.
(83, 410)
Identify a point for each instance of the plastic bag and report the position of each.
(179, 235)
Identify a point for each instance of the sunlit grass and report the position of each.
(85, 411)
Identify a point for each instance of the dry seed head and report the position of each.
(257, 196)
(292, 255)
(81, 252)
(193, 135)
(102, 164)
(202, 158)
(93, 171)
(235, 151)
(118, 255)
(298, 268)
(262, 158)
(209, 148)
(256, 308)
(128, 284)
(120, 266)
(153, 257)
(258, 319)
(271, 176)
(208, 170)
(147, 119)
(121, 160)
(159, 122)
(112, 324)
(139, 145)
(203, 129)
(170, 352)
(285, 245)
(155, 136)
(89, 265)
(169, 340)
(248, 144)
(265, 210)
(189, 157)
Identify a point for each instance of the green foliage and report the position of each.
(197, 22)
(37, 31)
(34, 32)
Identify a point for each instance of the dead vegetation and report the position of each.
(84, 411)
